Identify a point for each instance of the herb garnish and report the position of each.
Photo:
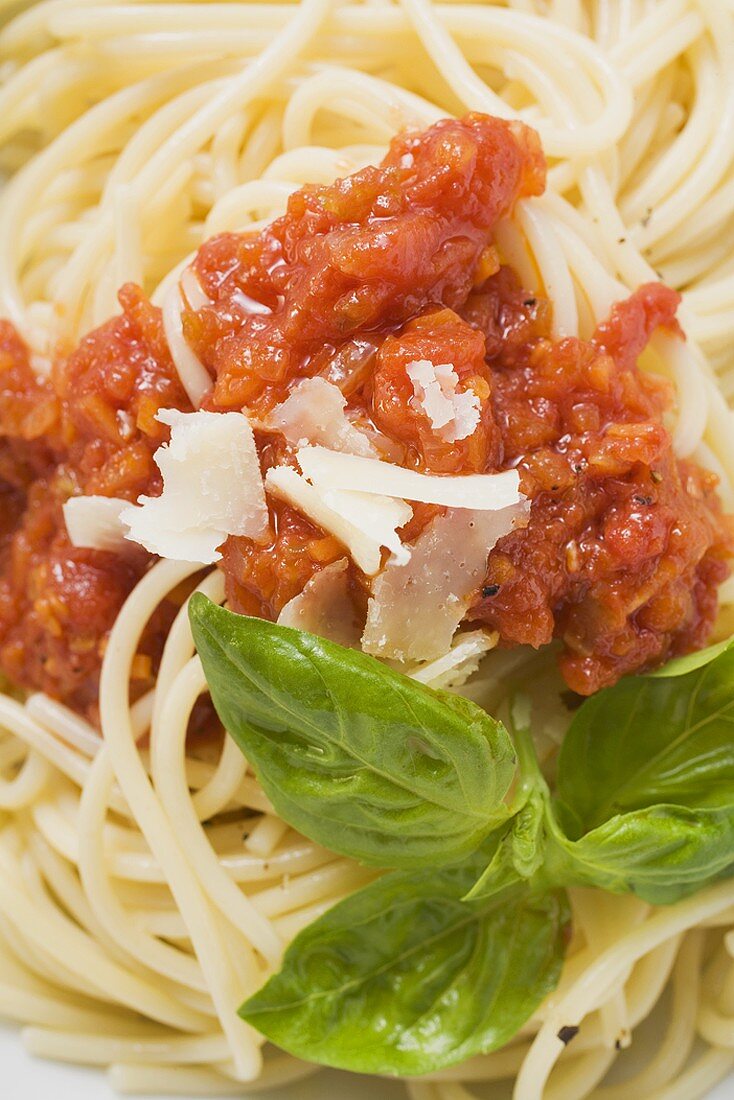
(405, 975)
(357, 757)
(450, 955)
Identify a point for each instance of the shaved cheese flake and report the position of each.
(94, 523)
(415, 608)
(453, 413)
(325, 607)
(364, 523)
(462, 660)
(314, 413)
(373, 513)
(330, 470)
(212, 488)
(195, 378)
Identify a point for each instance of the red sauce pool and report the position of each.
(625, 545)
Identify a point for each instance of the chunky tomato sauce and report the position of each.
(90, 428)
(316, 291)
(625, 544)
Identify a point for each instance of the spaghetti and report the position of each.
(147, 886)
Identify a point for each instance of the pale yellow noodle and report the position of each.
(146, 886)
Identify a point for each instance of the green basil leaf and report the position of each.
(520, 853)
(652, 741)
(646, 785)
(357, 757)
(404, 977)
(521, 850)
(679, 666)
(662, 854)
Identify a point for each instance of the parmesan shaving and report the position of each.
(462, 660)
(373, 514)
(415, 608)
(362, 522)
(314, 413)
(194, 376)
(330, 470)
(94, 523)
(453, 413)
(324, 607)
(212, 488)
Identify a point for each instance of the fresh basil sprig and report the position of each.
(644, 794)
(646, 782)
(404, 977)
(357, 757)
(449, 956)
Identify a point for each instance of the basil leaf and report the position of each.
(691, 661)
(661, 854)
(521, 850)
(520, 853)
(648, 741)
(404, 977)
(646, 784)
(357, 757)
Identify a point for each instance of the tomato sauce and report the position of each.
(358, 259)
(625, 545)
(89, 428)
(439, 337)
